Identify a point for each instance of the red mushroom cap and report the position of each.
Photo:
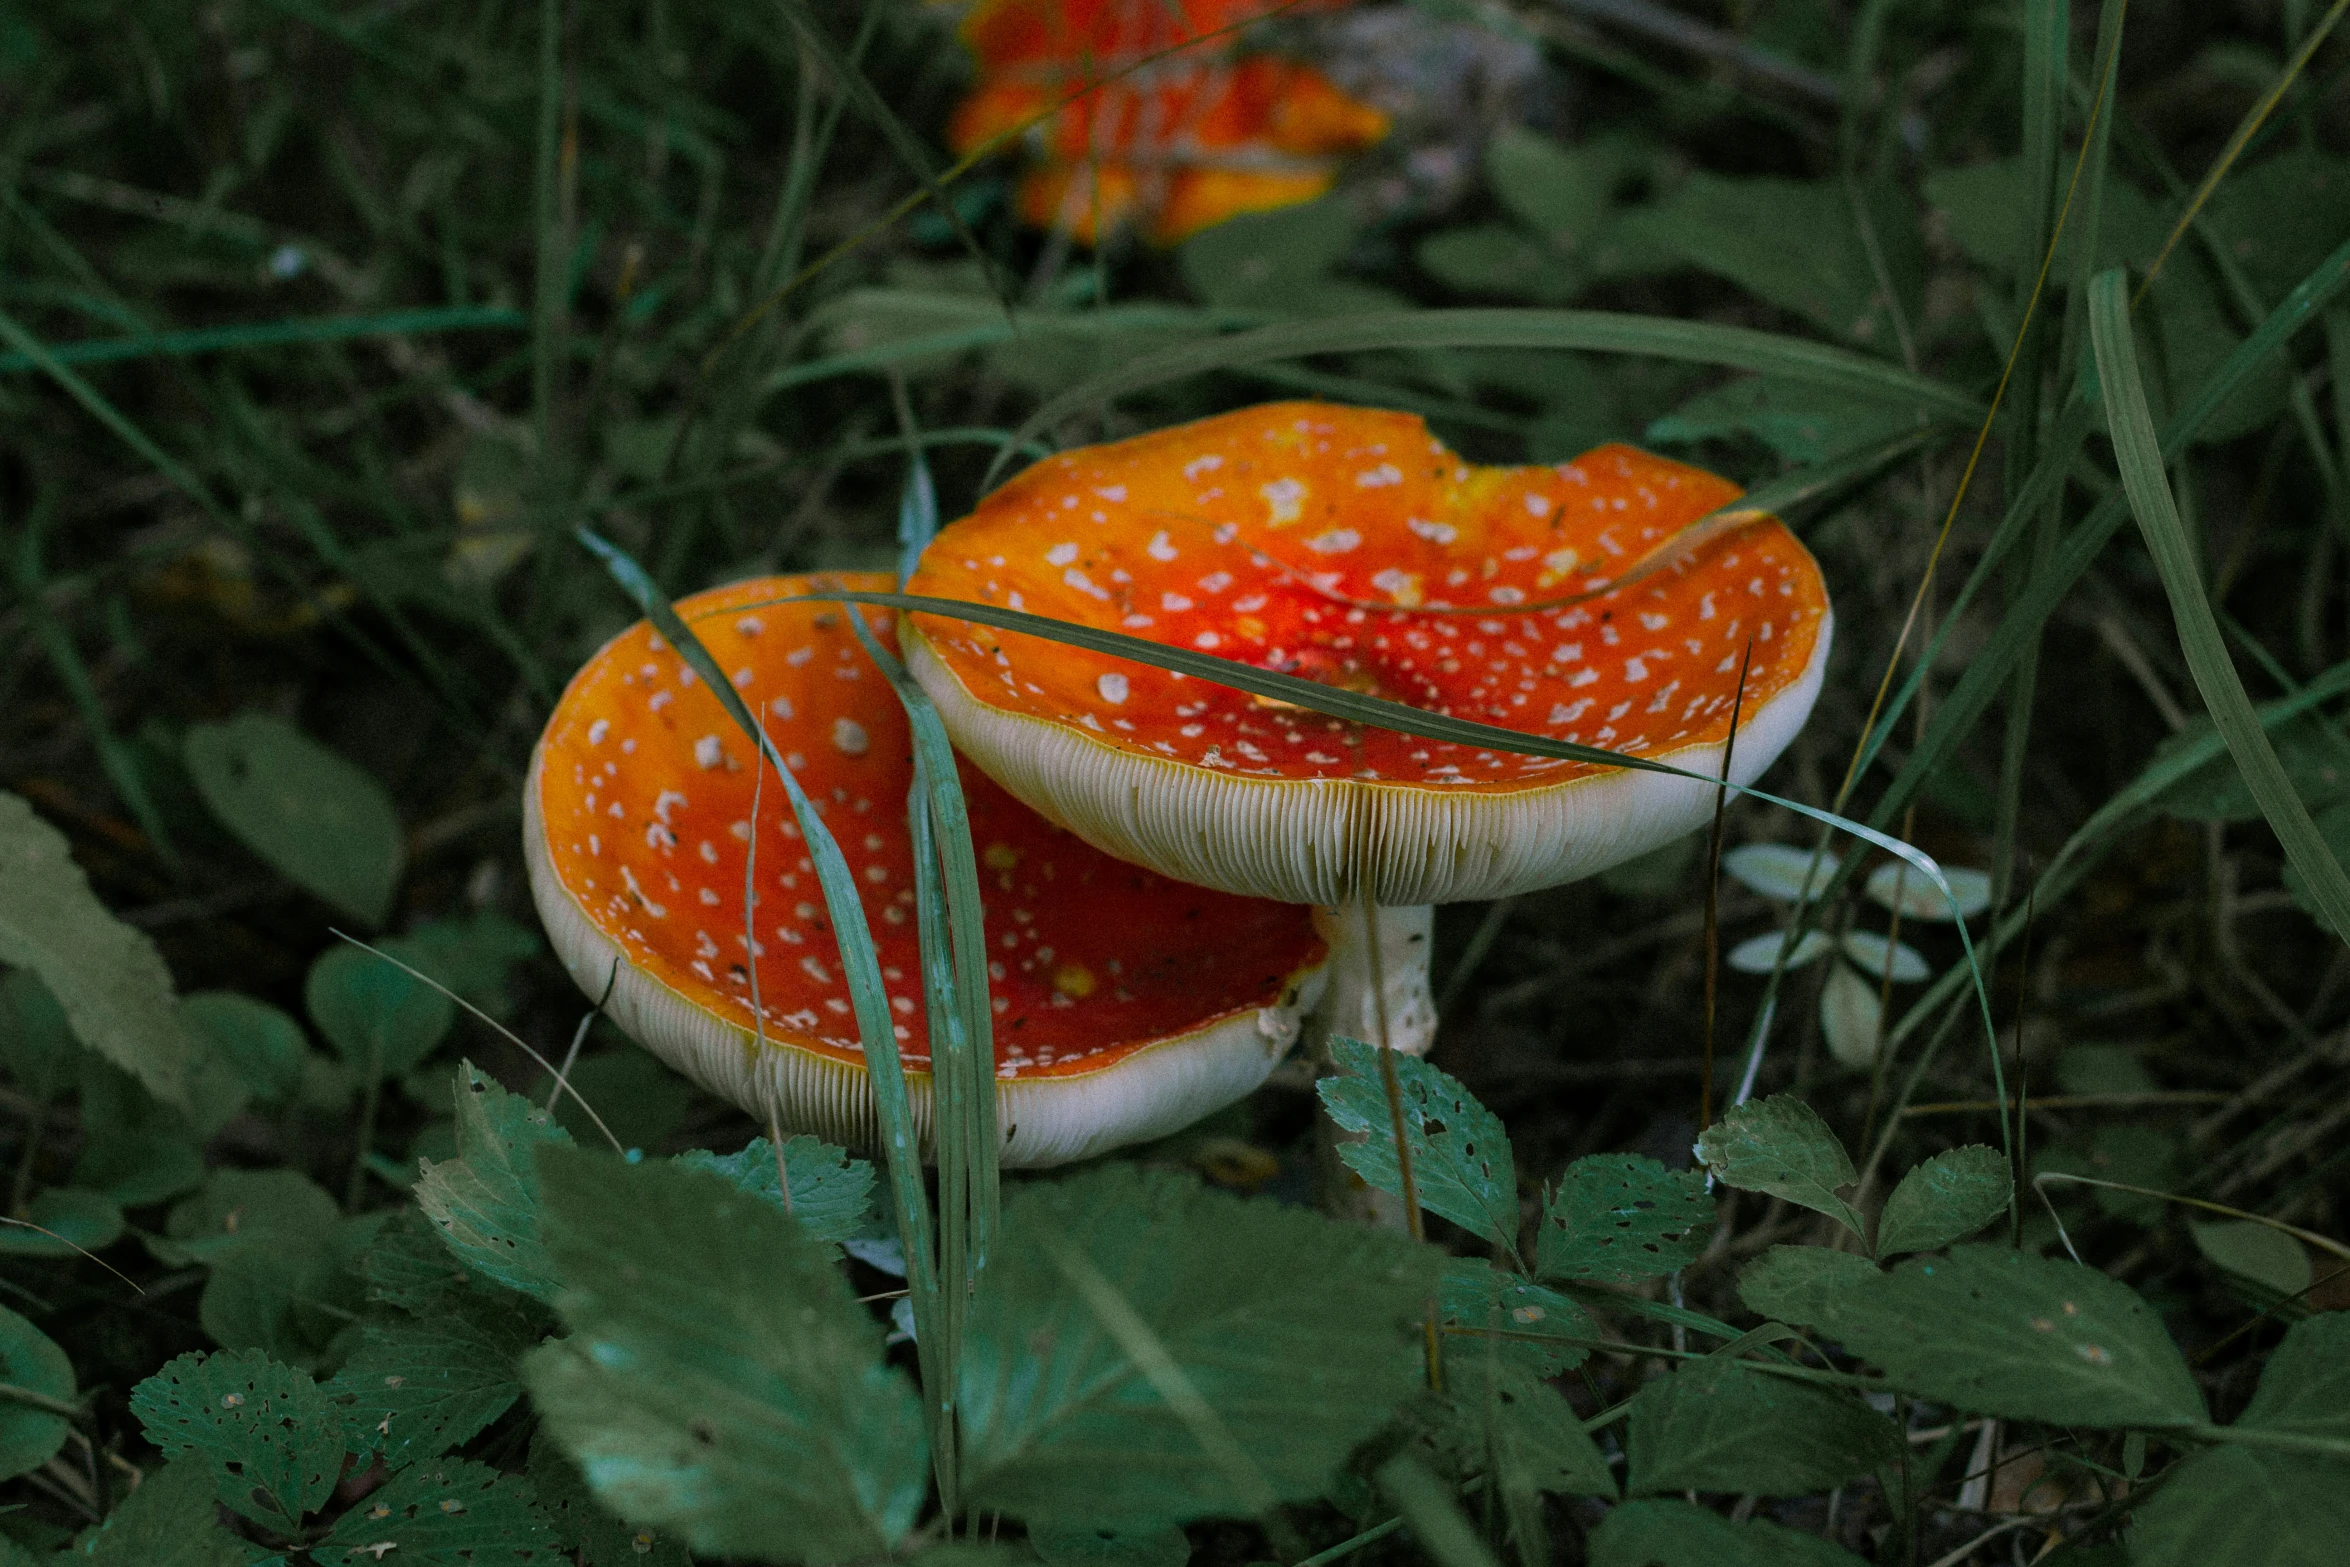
(1125, 1005)
(1349, 546)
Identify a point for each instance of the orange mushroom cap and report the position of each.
(1349, 546)
(1125, 1005)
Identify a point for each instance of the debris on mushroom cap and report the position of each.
(1124, 1005)
(1350, 547)
(1177, 141)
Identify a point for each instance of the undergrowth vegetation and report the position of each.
(1954, 1173)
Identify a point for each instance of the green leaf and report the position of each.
(1428, 1505)
(1268, 260)
(1796, 244)
(1619, 1218)
(641, 1100)
(1526, 1428)
(240, 1210)
(270, 1435)
(1294, 1336)
(1512, 1322)
(2234, 1504)
(408, 1267)
(63, 1222)
(2179, 563)
(36, 1042)
(721, 1381)
(419, 1386)
(169, 1521)
(1852, 1023)
(107, 976)
(136, 1169)
(263, 1047)
(2314, 752)
(2305, 1388)
(471, 956)
(30, 1435)
(1084, 1546)
(1682, 1534)
(1781, 870)
(1564, 193)
(1500, 259)
(1804, 424)
(1986, 209)
(449, 1513)
(831, 1193)
(1462, 1167)
(1724, 1425)
(1945, 1199)
(1992, 1331)
(485, 1202)
(1781, 1146)
(582, 1521)
(275, 1242)
(382, 1020)
(2260, 1253)
(323, 823)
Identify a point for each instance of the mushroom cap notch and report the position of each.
(1349, 546)
(1125, 1006)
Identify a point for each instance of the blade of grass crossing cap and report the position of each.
(952, 856)
(2138, 453)
(869, 1000)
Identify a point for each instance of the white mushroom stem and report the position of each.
(1377, 991)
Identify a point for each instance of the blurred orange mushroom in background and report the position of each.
(1175, 139)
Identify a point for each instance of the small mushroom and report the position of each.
(1125, 1005)
(1350, 547)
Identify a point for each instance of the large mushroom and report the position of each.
(1125, 1005)
(1349, 546)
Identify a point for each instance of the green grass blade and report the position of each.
(272, 334)
(2138, 452)
(1590, 331)
(901, 1150)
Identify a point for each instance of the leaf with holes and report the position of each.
(420, 1386)
(721, 1381)
(1781, 1146)
(1621, 1217)
(448, 1513)
(1945, 1199)
(271, 1436)
(1993, 1332)
(1492, 1314)
(830, 1193)
(581, 1521)
(1728, 1425)
(1462, 1167)
(485, 1202)
(1113, 1294)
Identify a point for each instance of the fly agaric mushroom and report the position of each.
(1350, 547)
(1126, 1006)
(1176, 138)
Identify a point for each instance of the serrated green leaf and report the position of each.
(419, 1386)
(1724, 1425)
(322, 822)
(485, 1202)
(271, 1437)
(1502, 1317)
(408, 1267)
(831, 1193)
(721, 1380)
(1781, 1146)
(262, 1047)
(2235, 1504)
(1945, 1199)
(1525, 1428)
(106, 976)
(382, 1020)
(448, 1513)
(169, 1521)
(2305, 1387)
(1806, 1283)
(581, 1521)
(1617, 1218)
(1997, 1332)
(1295, 1334)
(63, 1222)
(30, 1435)
(1682, 1534)
(1462, 1166)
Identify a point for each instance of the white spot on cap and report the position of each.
(781, 707)
(1199, 465)
(1112, 686)
(1433, 532)
(1061, 554)
(597, 730)
(708, 753)
(742, 678)
(849, 737)
(1113, 493)
(1336, 542)
(1158, 548)
(749, 626)
(1174, 603)
(1374, 478)
(1539, 505)
(1287, 498)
